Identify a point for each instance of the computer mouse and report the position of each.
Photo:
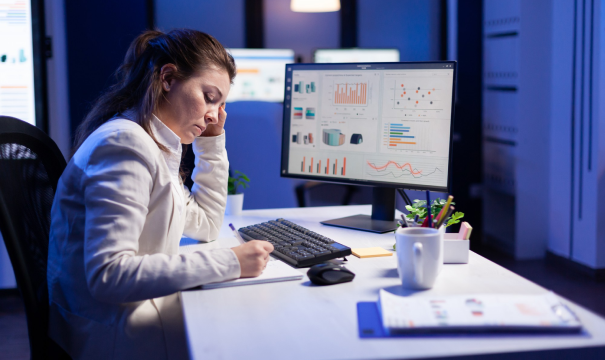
(329, 274)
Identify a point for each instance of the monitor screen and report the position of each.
(260, 74)
(16, 61)
(381, 124)
(355, 55)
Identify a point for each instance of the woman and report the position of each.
(121, 208)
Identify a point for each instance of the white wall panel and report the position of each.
(501, 61)
(560, 127)
(500, 114)
(534, 121)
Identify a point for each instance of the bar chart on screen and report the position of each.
(324, 165)
(355, 93)
(406, 136)
(431, 171)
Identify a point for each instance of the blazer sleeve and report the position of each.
(205, 204)
(117, 184)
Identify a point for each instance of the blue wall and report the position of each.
(222, 19)
(412, 26)
(98, 35)
(253, 131)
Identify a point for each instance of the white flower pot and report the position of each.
(235, 203)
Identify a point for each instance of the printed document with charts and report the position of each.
(275, 271)
(475, 313)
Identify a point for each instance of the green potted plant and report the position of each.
(235, 200)
(419, 208)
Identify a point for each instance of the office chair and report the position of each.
(328, 192)
(30, 164)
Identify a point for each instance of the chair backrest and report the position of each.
(30, 167)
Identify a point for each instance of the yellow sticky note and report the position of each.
(370, 252)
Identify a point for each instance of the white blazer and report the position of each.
(113, 266)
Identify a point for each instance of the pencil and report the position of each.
(447, 215)
(445, 207)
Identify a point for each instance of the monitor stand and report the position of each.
(383, 214)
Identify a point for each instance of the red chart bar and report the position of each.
(365, 86)
(344, 167)
(311, 168)
(335, 166)
(346, 91)
(327, 165)
(346, 95)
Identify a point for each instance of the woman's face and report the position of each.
(191, 105)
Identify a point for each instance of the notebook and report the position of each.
(275, 271)
(475, 313)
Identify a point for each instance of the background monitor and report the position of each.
(21, 93)
(387, 125)
(260, 74)
(355, 55)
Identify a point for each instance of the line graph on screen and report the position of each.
(433, 171)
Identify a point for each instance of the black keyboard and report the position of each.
(294, 244)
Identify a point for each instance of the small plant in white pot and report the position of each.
(235, 200)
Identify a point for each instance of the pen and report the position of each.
(237, 235)
(428, 208)
(405, 222)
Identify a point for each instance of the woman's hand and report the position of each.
(217, 129)
(253, 257)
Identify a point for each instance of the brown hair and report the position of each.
(139, 86)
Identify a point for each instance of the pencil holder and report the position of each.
(455, 251)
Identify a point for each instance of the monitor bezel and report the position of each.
(286, 128)
(354, 48)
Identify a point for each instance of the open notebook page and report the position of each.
(275, 271)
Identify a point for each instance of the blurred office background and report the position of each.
(529, 131)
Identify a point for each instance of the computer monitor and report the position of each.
(387, 125)
(355, 55)
(21, 64)
(260, 74)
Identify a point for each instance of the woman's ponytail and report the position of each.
(136, 48)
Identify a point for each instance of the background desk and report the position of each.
(297, 320)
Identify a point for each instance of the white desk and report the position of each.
(297, 320)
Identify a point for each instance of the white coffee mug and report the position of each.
(419, 256)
